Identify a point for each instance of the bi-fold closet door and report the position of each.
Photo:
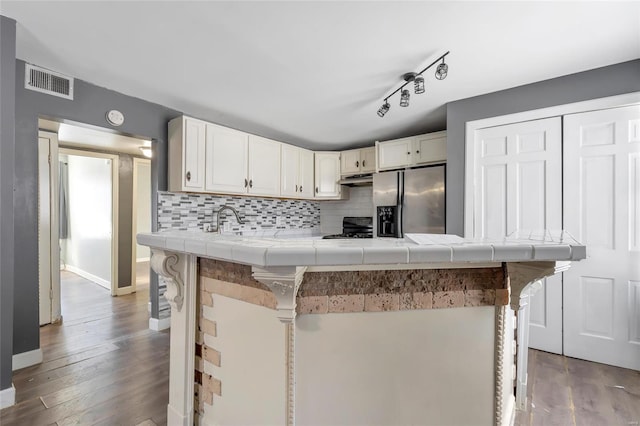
(580, 173)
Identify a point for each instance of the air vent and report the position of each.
(45, 81)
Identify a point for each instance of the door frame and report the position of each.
(51, 252)
(114, 206)
(134, 219)
(558, 110)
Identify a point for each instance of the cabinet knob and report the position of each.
(409, 153)
(363, 161)
(418, 152)
(188, 176)
(357, 164)
(296, 188)
(250, 183)
(300, 188)
(246, 182)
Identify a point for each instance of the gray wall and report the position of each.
(143, 119)
(598, 83)
(7, 145)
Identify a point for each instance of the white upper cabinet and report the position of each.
(226, 160)
(412, 151)
(264, 166)
(187, 147)
(394, 154)
(296, 172)
(327, 174)
(357, 161)
(430, 148)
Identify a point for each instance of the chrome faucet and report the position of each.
(217, 229)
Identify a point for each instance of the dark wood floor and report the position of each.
(571, 392)
(101, 366)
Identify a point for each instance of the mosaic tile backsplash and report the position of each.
(178, 211)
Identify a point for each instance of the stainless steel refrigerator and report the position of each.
(409, 201)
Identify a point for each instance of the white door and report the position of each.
(368, 160)
(430, 148)
(226, 160)
(306, 173)
(350, 162)
(395, 154)
(327, 174)
(48, 245)
(602, 210)
(518, 187)
(264, 166)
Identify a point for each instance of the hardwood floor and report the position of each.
(566, 391)
(102, 365)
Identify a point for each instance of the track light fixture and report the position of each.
(418, 84)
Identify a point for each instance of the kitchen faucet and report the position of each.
(217, 229)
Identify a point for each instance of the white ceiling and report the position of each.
(315, 73)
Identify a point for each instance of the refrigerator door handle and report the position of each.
(400, 208)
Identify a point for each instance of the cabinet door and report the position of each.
(430, 148)
(290, 171)
(226, 160)
(264, 166)
(350, 162)
(368, 160)
(327, 174)
(193, 155)
(305, 174)
(395, 154)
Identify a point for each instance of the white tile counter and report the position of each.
(307, 250)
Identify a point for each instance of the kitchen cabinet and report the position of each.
(327, 175)
(226, 159)
(430, 148)
(186, 154)
(358, 161)
(264, 166)
(296, 172)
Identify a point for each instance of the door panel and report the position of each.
(44, 231)
(518, 188)
(226, 160)
(601, 192)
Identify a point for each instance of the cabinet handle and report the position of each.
(409, 153)
(316, 189)
(188, 176)
(246, 182)
(418, 152)
(363, 161)
(296, 188)
(300, 188)
(357, 164)
(251, 183)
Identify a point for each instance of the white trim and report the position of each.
(26, 359)
(554, 111)
(115, 160)
(142, 259)
(402, 266)
(86, 275)
(134, 220)
(159, 324)
(7, 397)
(122, 291)
(510, 418)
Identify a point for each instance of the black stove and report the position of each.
(354, 227)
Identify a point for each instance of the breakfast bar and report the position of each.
(293, 329)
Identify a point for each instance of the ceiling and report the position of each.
(315, 73)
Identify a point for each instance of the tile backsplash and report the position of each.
(181, 211)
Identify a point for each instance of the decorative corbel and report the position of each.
(284, 282)
(164, 264)
(523, 274)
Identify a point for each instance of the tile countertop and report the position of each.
(309, 250)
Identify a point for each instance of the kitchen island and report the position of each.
(302, 330)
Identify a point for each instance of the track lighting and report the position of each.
(418, 84)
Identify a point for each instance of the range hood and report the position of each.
(357, 180)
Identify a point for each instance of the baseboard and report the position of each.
(26, 359)
(84, 274)
(7, 397)
(121, 291)
(159, 324)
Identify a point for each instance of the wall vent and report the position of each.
(46, 81)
